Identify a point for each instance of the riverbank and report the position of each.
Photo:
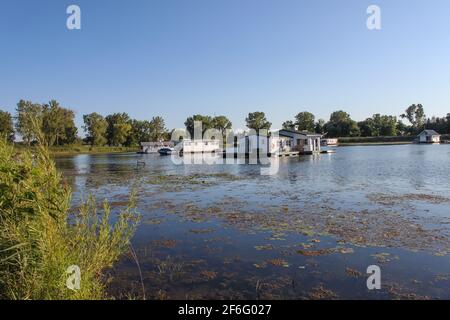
(348, 144)
(383, 140)
(82, 149)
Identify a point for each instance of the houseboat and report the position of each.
(199, 146)
(282, 142)
(329, 142)
(428, 136)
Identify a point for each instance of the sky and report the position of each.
(175, 58)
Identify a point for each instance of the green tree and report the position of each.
(119, 127)
(6, 126)
(158, 129)
(415, 114)
(305, 121)
(28, 118)
(320, 126)
(58, 124)
(205, 120)
(95, 127)
(141, 131)
(288, 125)
(341, 125)
(257, 121)
(52, 122)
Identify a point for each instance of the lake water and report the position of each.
(308, 232)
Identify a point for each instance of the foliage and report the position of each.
(305, 121)
(119, 127)
(40, 239)
(95, 126)
(320, 126)
(58, 124)
(205, 120)
(288, 125)
(6, 126)
(222, 124)
(27, 114)
(415, 114)
(378, 125)
(341, 125)
(257, 120)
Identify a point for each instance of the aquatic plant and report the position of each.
(40, 238)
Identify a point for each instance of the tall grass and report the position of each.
(40, 238)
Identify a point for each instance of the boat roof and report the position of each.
(429, 132)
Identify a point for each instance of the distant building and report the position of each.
(302, 141)
(200, 146)
(329, 142)
(429, 136)
(283, 142)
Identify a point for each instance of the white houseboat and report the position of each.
(428, 136)
(280, 142)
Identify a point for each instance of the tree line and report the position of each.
(342, 125)
(58, 126)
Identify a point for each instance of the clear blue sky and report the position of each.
(175, 58)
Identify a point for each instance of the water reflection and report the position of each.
(218, 230)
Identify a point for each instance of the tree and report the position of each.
(58, 124)
(288, 125)
(28, 118)
(415, 114)
(221, 123)
(378, 125)
(320, 126)
(341, 125)
(6, 126)
(448, 123)
(305, 121)
(141, 131)
(158, 129)
(119, 127)
(205, 120)
(257, 121)
(95, 126)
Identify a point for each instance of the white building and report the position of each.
(329, 142)
(279, 142)
(200, 146)
(429, 136)
(302, 141)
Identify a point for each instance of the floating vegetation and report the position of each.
(208, 274)
(278, 262)
(387, 199)
(264, 247)
(170, 243)
(320, 293)
(353, 273)
(201, 231)
(239, 235)
(384, 257)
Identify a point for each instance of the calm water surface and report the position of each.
(308, 232)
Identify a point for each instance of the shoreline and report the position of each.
(354, 144)
(76, 150)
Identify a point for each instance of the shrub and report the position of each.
(40, 238)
